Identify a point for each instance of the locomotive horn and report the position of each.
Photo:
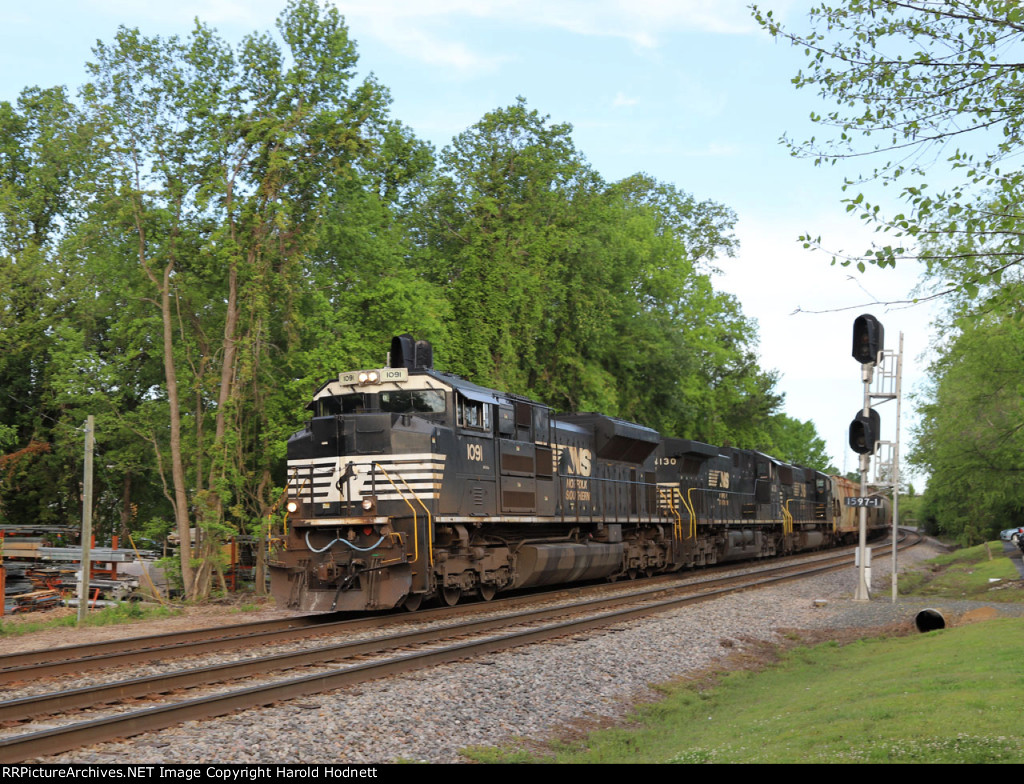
(410, 353)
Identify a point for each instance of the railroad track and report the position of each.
(35, 665)
(389, 654)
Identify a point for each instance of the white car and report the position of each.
(1011, 534)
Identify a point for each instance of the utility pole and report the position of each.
(83, 583)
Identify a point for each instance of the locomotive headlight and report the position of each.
(369, 503)
(374, 377)
(364, 377)
(292, 507)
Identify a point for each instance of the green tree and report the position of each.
(502, 222)
(44, 148)
(590, 295)
(796, 442)
(971, 436)
(219, 169)
(918, 85)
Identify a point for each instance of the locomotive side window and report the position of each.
(472, 414)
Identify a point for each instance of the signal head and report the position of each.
(868, 339)
(864, 432)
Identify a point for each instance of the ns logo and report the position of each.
(575, 460)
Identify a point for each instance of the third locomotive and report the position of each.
(410, 484)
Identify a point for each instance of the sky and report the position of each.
(691, 92)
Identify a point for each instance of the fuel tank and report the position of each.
(566, 562)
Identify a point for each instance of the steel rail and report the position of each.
(78, 658)
(65, 738)
(89, 696)
(37, 664)
(84, 651)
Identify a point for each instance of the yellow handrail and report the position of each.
(415, 527)
(677, 526)
(693, 512)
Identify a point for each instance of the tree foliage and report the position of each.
(930, 93)
(920, 86)
(586, 294)
(209, 231)
(971, 436)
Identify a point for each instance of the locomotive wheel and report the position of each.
(451, 596)
(487, 592)
(413, 601)
(631, 574)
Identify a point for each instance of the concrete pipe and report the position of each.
(929, 620)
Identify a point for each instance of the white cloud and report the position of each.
(642, 19)
(621, 99)
(249, 14)
(713, 150)
(429, 29)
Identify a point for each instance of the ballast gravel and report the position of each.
(530, 694)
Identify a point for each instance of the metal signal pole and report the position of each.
(896, 468)
(863, 592)
(868, 350)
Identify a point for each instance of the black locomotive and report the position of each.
(410, 484)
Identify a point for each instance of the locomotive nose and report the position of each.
(351, 434)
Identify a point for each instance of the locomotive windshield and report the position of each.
(419, 401)
(341, 404)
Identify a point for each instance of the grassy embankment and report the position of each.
(945, 696)
(127, 612)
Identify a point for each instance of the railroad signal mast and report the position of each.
(888, 386)
(865, 433)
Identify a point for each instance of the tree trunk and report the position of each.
(227, 375)
(181, 516)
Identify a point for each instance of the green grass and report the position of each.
(946, 696)
(126, 612)
(980, 573)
